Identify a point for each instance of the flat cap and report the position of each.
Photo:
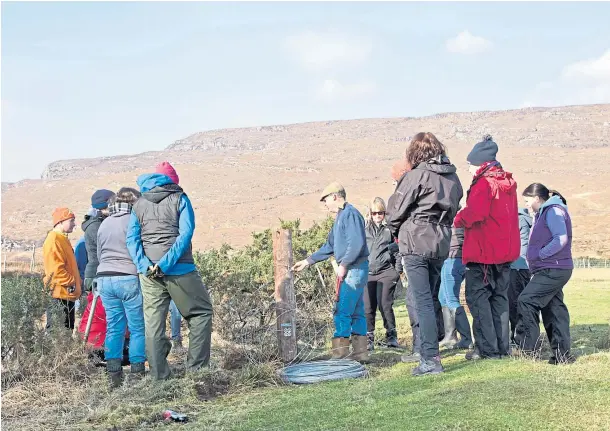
(333, 187)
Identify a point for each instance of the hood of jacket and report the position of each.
(498, 177)
(553, 200)
(89, 220)
(440, 165)
(156, 187)
(525, 214)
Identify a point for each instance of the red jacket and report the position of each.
(97, 333)
(490, 218)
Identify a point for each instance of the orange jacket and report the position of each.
(60, 264)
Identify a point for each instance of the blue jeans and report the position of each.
(175, 320)
(452, 275)
(349, 310)
(122, 299)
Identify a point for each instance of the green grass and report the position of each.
(511, 394)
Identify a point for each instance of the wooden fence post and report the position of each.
(285, 300)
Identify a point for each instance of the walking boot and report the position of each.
(391, 340)
(474, 354)
(371, 341)
(138, 371)
(428, 366)
(115, 372)
(359, 350)
(463, 327)
(340, 346)
(450, 340)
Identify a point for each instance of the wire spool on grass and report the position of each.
(322, 371)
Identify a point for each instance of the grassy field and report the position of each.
(511, 394)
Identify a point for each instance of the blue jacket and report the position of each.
(346, 240)
(186, 226)
(81, 256)
(525, 225)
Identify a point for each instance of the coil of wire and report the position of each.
(322, 371)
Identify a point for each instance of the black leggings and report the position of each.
(68, 309)
(380, 294)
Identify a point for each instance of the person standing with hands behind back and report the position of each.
(347, 243)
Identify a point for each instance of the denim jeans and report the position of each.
(175, 320)
(122, 299)
(452, 275)
(349, 310)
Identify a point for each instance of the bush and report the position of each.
(27, 348)
(241, 284)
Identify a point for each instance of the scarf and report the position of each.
(119, 207)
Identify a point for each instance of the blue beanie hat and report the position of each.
(100, 198)
(484, 151)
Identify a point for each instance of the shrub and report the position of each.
(27, 348)
(241, 284)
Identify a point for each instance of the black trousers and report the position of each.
(438, 310)
(423, 274)
(379, 293)
(68, 308)
(544, 294)
(487, 298)
(518, 280)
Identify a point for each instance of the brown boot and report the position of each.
(360, 352)
(340, 347)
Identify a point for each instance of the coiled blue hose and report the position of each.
(322, 371)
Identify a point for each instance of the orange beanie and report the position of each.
(61, 214)
(399, 168)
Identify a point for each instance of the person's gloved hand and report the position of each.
(154, 272)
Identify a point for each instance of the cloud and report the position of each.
(583, 82)
(466, 43)
(332, 90)
(321, 51)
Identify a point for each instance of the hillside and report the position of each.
(243, 180)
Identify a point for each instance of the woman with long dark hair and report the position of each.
(421, 214)
(549, 255)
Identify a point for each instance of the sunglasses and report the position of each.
(378, 213)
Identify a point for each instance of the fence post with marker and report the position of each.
(285, 299)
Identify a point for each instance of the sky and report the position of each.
(98, 79)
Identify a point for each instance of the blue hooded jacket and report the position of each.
(81, 256)
(186, 227)
(525, 225)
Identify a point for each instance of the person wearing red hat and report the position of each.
(175, 320)
(61, 271)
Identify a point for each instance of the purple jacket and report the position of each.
(550, 245)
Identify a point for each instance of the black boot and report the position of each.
(115, 372)
(428, 366)
(474, 354)
(463, 327)
(450, 339)
(391, 340)
(370, 346)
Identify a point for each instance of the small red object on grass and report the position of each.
(175, 416)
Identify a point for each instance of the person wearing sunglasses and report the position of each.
(384, 267)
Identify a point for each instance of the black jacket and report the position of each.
(383, 250)
(90, 226)
(422, 209)
(457, 241)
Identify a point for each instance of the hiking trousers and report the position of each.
(519, 278)
(423, 274)
(193, 302)
(487, 298)
(379, 293)
(544, 294)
